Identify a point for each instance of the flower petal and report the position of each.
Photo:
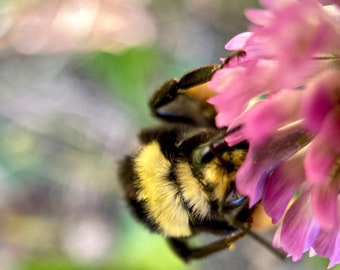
(231, 98)
(267, 115)
(325, 206)
(283, 183)
(262, 159)
(318, 161)
(238, 42)
(236, 86)
(335, 257)
(319, 98)
(250, 178)
(330, 130)
(259, 17)
(326, 245)
(298, 231)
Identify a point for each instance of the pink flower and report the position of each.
(285, 93)
(312, 163)
(322, 163)
(263, 159)
(280, 51)
(298, 230)
(283, 183)
(328, 245)
(242, 84)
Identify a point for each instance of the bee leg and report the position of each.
(172, 88)
(187, 108)
(204, 74)
(173, 104)
(181, 248)
(198, 76)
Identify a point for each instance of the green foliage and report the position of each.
(56, 263)
(139, 249)
(320, 263)
(132, 75)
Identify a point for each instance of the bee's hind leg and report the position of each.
(186, 253)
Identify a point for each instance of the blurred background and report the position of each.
(75, 78)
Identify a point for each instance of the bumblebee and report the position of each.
(182, 181)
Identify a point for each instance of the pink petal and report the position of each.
(326, 245)
(318, 101)
(238, 42)
(224, 78)
(318, 161)
(277, 237)
(258, 16)
(278, 4)
(236, 86)
(232, 97)
(268, 115)
(283, 183)
(297, 32)
(262, 159)
(335, 257)
(330, 130)
(250, 178)
(238, 136)
(298, 231)
(325, 206)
